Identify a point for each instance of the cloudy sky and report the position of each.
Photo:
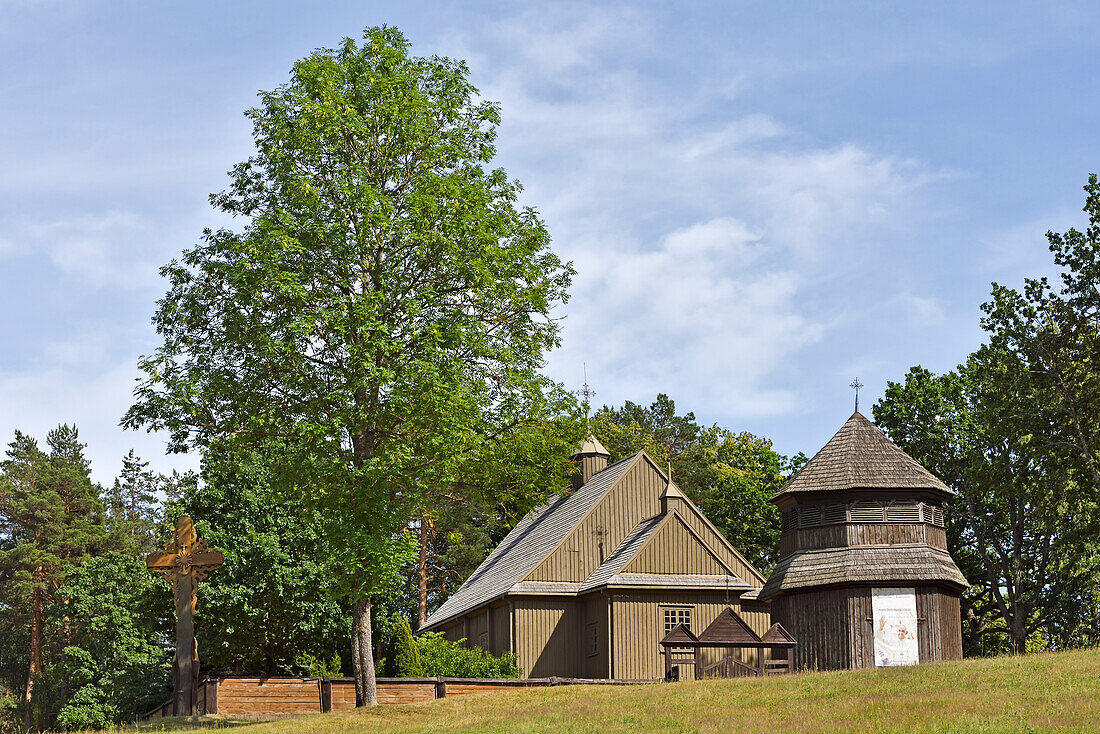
(762, 200)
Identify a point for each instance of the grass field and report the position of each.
(1050, 692)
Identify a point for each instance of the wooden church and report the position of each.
(623, 574)
(589, 584)
(865, 579)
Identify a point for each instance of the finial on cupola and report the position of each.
(856, 385)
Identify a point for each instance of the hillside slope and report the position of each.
(1050, 692)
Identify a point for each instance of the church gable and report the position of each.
(674, 549)
(634, 497)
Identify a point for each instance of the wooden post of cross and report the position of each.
(187, 560)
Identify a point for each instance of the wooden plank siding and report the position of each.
(640, 618)
(854, 534)
(674, 549)
(548, 637)
(835, 628)
(634, 498)
(259, 696)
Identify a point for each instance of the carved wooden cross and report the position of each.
(187, 560)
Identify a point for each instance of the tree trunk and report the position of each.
(36, 659)
(1017, 634)
(422, 568)
(366, 691)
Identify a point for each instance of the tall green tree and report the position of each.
(383, 310)
(132, 502)
(1055, 331)
(51, 519)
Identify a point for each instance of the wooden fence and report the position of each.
(266, 697)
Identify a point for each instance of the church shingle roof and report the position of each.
(868, 564)
(860, 456)
(538, 533)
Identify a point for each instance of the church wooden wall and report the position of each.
(840, 536)
(834, 630)
(549, 637)
(638, 622)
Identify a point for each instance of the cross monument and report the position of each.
(187, 560)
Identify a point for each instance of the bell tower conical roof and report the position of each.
(860, 456)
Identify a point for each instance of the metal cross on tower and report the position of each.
(856, 385)
(187, 560)
(586, 392)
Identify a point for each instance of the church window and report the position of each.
(593, 635)
(676, 616)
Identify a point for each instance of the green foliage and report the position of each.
(385, 307)
(454, 659)
(274, 599)
(115, 614)
(404, 660)
(314, 667)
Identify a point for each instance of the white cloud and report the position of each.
(703, 231)
(93, 398)
(103, 250)
(706, 313)
(922, 311)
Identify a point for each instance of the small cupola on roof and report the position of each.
(589, 458)
(672, 498)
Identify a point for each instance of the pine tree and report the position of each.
(50, 519)
(132, 502)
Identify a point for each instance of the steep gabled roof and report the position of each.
(728, 627)
(860, 456)
(528, 543)
(611, 572)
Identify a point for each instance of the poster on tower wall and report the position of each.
(894, 612)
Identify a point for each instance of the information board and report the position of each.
(895, 618)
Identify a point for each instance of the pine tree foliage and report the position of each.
(51, 520)
(132, 502)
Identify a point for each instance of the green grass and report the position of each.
(1037, 693)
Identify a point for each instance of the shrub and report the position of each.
(313, 667)
(407, 661)
(453, 660)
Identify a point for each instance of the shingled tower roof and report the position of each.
(860, 456)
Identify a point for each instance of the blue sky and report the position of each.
(763, 200)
